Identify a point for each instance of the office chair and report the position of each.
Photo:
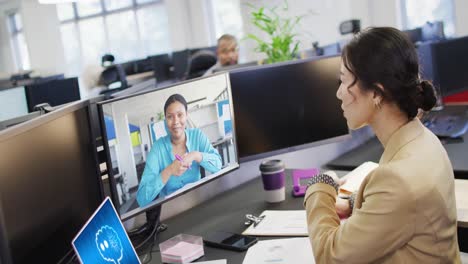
(200, 62)
(112, 76)
(107, 60)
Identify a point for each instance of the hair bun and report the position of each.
(428, 99)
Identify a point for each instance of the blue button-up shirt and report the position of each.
(161, 156)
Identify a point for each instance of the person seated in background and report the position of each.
(227, 52)
(404, 210)
(175, 159)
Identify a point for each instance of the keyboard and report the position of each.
(446, 125)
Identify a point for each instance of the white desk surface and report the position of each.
(461, 196)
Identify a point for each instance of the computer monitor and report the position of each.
(415, 34)
(162, 67)
(143, 65)
(433, 31)
(135, 130)
(55, 92)
(13, 103)
(450, 65)
(287, 106)
(49, 184)
(180, 59)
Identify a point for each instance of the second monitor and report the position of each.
(287, 106)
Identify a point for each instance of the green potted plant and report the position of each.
(282, 44)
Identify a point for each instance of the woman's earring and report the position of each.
(378, 105)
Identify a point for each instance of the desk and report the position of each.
(139, 77)
(372, 150)
(226, 212)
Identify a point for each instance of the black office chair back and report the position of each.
(200, 62)
(112, 74)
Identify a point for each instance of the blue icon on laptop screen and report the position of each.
(103, 239)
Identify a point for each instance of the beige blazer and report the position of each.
(404, 211)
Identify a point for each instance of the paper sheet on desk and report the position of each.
(280, 223)
(356, 177)
(281, 251)
(220, 261)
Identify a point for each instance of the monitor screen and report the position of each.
(49, 184)
(55, 92)
(180, 60)
(283, 106)
(450, 65)
(13, 103)
(156, 153)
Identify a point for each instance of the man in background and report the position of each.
(227, 53)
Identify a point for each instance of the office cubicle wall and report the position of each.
(287, 106)
(49, 183)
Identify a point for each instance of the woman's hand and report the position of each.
(178, 167)
(342, 207)
(188, 158)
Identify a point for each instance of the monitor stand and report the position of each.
(152, 219)
(147, 233)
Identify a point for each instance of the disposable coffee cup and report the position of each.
(273, 180)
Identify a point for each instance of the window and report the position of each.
(417, 12)
(227, 18)
(18, 42)
(128, 29)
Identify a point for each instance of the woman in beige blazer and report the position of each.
(404, 211)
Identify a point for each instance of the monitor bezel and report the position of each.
(297, 147)
(112, 181)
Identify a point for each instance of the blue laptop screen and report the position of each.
(104, 240)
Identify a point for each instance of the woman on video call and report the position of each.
(164, 173)
(404, 210)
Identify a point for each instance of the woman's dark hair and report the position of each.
(175, 98)
(385, 56)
